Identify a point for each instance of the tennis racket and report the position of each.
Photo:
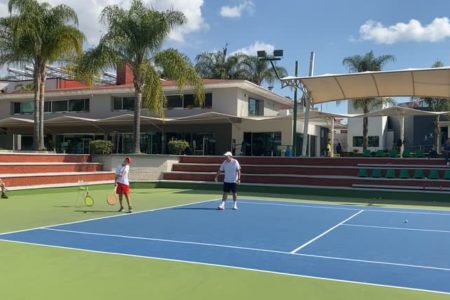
(88, 200)
(111, 199)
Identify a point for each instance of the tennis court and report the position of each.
(404, 248)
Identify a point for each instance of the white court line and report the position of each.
(375, 262)
(398, 228)
(234, 267)
(356, 207)
(325, 232)
(107, 217)
(236, 248)
(298, 205)
(166, 240)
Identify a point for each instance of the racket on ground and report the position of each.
(111, 199)
(88, 200)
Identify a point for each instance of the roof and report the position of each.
(433, 82)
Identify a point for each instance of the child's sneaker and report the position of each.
(221, 207)
(120, 209)
(4, 196)
(235, 207)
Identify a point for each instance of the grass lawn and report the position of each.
(40, 272)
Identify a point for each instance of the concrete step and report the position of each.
(72, 178)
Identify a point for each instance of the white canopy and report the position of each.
(433, 82)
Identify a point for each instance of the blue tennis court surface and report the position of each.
(395, 247)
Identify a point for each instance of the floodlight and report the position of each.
(261, 54)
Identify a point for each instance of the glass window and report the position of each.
(117, 105)
(357, 141)
(47, 106)
(208, 100)
(373, 141)
(174, 101)
(188, 101)
(255, 107)
(59, 106)
(123, 103)
(128, 103)
(78, 105)
(23, 107)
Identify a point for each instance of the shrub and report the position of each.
(177, 146)
(100, 147)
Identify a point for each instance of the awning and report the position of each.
(207, 117)
(432, 82)
(16, 122)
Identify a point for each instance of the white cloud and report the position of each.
(414, 31)
(236, 11)
(251, 50)
(89, 15)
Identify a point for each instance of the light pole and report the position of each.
(277, 54)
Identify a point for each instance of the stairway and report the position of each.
(26, 170)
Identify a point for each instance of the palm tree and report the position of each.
(39, 34)
(368, 62)
(257, 71)
(436, 104)
(217, 65)
(134, 38)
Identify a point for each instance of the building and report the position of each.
(236, 114)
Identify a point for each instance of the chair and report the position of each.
(447, 174)
(376, 173)
(404, 174)
(418, 174)
(362, 172)
(390, 173)
(367, 153)
(420, 153)
(434, 174)
(379, 153)
(393, 153)
(406, 153)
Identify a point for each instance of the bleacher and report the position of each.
(349, 172)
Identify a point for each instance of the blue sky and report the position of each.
(416, 32)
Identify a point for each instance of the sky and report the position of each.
(415, 32)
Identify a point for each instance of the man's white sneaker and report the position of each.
(221, 207)
(235, 207)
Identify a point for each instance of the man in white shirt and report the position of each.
(122, 182)
(232, 177)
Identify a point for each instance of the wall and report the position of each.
(143, 168)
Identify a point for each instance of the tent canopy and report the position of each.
(433, 82)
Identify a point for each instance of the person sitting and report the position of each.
(3, 188)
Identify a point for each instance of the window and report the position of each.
(208, 100)
(373, 141)
(79, 105)
(23, 107)
(123, 103)
(255, 107)
(59, 106)
(174, 101)
(187, 101)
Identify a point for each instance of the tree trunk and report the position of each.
(36, 114)
(365, 132)
(41, 109)
(137, 122)
(437, 135)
